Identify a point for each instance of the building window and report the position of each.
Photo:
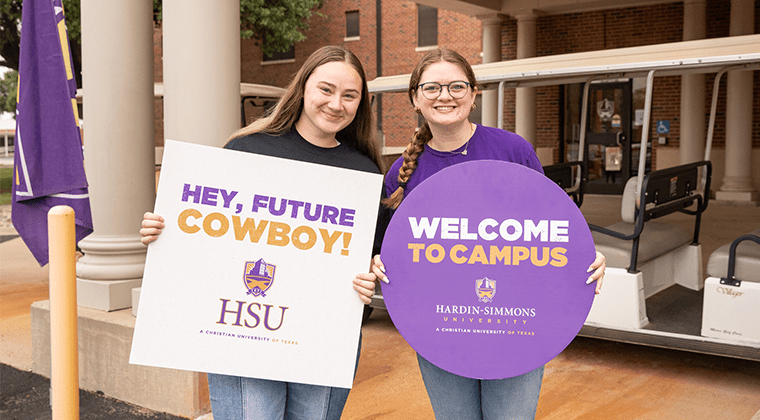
(288, 55)
(427, 26)
(352, 24)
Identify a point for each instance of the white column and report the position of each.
(693, 122)
(117, 78)
(491, 54)
(201, 70)
(737, 183)
(525, 98)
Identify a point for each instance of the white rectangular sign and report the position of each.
(252, 275)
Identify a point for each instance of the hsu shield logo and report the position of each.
(606, 109)
(485, 289)
(258, 277)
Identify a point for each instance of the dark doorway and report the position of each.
(608, 137)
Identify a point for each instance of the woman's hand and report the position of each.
(378, 269)
(152, 225)
(365, 283)
(598, 267)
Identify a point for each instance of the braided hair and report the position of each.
(417, 145)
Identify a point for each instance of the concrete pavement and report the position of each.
(591, 379)
(23, 394)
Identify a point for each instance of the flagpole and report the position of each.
(64, 357)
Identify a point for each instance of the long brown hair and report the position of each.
(423, 135)
(359, 134)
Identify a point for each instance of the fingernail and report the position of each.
(384, 279)
(590, 280)
(590, 269)
(382, 268)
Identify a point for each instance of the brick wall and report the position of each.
(606, 29)
(718, 25)
(556, 34)
(509, 52)
(455, 31)
(620, 28)
(459, 32)
(756, 112)
(158, 76)
(328, 27)
(399, 57)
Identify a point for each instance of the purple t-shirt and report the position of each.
(462, 324)
(486, 143)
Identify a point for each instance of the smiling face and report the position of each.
(331, 97)
(444, 110)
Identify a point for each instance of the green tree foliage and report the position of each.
(10, 33)
(275, 25)
(8, 84)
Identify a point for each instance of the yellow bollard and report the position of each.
(64, 356)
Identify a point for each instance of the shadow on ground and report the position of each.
(26, 396)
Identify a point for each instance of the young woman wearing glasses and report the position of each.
(442, 89)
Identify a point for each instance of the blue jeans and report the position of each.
(460, 398)
(238, 398)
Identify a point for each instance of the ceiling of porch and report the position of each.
(515, 8)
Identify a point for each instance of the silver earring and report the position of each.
(472, 108)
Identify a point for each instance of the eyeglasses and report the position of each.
(432, 90)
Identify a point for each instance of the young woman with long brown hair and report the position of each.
(324, 117)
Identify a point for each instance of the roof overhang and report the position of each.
(470, 8)
(516, 8)
(701, 56)
(247, 90)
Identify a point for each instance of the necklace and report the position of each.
(453, 152)
(467, 144)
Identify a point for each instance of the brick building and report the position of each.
(390, 41)
(201, 61)
(399, 50)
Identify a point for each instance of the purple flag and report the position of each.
(49, 163)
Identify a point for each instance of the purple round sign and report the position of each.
(487, 264)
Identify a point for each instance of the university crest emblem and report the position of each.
(485, 289)
(258, 277)
(605, 108)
